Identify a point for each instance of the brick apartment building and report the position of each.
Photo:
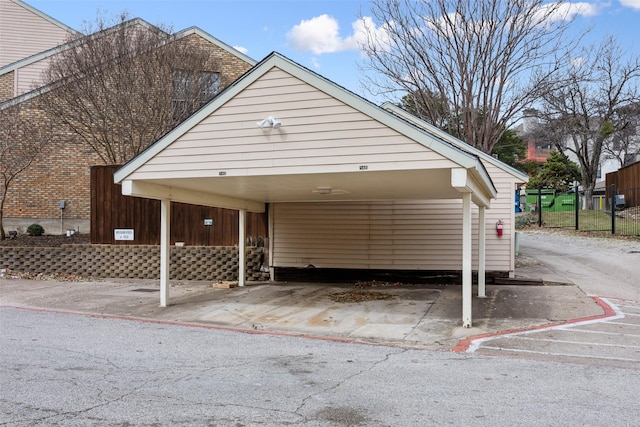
(30, 39)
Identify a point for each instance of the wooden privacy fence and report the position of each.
(627, 183)
(111, 211)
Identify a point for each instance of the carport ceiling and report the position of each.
(366, 185)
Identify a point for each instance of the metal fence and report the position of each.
(610, 213)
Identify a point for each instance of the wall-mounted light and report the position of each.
(323, 190)
(270, 122)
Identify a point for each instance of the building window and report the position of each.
(191, 90)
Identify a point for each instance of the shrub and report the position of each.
(524, 220)
(35, 230)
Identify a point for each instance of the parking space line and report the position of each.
(621, 334)
(551, 353)
(623, 324)
(572, 342)
(612, 312)
(620, 345)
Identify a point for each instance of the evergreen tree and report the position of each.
(558, 172)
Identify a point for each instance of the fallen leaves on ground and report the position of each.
(360, 296)
(376, 284)
(9, 274)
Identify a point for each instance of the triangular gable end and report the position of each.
(285, 82)
(439, 133)
(319, 134)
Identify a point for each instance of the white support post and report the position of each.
(165, 256)
(467, 289)
(482, 249)
(271, 234)
(242, 247)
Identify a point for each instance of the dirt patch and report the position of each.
(360, 296)
(46, 241)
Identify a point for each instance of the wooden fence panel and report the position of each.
(627, 182)
(111, 210)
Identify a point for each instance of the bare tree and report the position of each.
(624, 145)
(122, 87)
(21, 145)
(488, 60)
(584, 113)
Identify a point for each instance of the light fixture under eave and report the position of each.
(329, 191)
(270, 122)
(323, 190)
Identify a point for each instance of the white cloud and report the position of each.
(633, 4)
(241, 49)
(567, 11)
(321, 34)
(318, 35)
(578, 61)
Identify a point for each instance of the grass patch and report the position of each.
(593, 220)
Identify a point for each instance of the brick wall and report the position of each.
(229, 66)
(6, 86)
(133, 262)
(64, 174)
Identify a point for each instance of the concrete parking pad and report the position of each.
(426, 316)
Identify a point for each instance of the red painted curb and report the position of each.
(187, 324)
(463, 345)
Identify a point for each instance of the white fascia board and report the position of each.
(428, 127)
(162, 192)
(275, 60)
(483, 175)
(46, 17)
(204, 112)
(33, 58)
(62, 47)
(464, 182)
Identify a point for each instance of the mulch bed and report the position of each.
(361, 295)
(46, 241)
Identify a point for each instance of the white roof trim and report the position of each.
(50, 52)
(37, 57)
(457, 155)
(43, 15)
(439, 133)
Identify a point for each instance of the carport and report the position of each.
(284, 134)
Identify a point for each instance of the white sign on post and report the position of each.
(123, 234)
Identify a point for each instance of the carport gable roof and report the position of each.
(470, 175)
(439, 133)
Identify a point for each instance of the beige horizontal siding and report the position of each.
(412, 235)
(24, 33)
(386, 235)
(318, 133)
(30, 77)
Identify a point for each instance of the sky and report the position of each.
(322, 35)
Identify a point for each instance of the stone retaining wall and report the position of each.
(133, 261)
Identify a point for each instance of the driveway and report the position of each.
(605, 268)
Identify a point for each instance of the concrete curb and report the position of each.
(466, 345)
